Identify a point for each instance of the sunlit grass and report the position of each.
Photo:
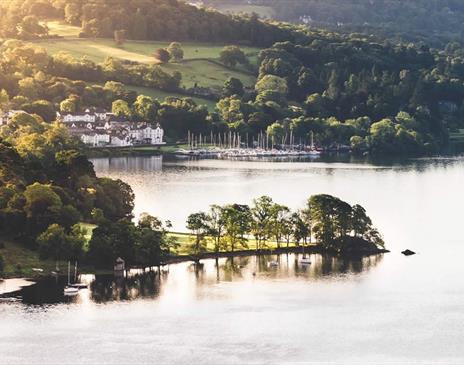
(19, 260)
(186, 241)
(63, 30)
(207, 74)
(196, 67)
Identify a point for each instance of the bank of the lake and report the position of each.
(23, 263)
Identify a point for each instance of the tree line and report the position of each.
(335, 224)
(435, 22)
(48, 186)
(141, 20)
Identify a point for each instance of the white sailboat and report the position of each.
(313, 151)
(69, 290)
(305, 260)
(273, 264)
(76, 284)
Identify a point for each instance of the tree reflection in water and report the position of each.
(139, 285)
(154, 283)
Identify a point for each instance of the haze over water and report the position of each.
(389, 309)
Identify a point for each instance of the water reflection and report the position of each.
(184, 278)
(128, 163)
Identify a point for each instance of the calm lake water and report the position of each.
(386, 309)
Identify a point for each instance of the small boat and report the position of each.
(79, 286)
(305, 261)
(69, 290)
(9, 300)
(76, 284)
(273, 264)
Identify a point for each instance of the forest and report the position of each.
(143, 20)
(435, 22)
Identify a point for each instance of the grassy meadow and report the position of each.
(196, 68)
(19, 260)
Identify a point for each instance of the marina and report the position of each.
(230, 144)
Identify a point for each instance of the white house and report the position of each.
(96, 139)
(87, 118)
(147, 135)
(99, 128)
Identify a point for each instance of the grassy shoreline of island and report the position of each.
(29, 260)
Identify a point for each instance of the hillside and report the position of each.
(200, 66)
(436, 22)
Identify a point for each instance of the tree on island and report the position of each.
(336, 225)
(197, 223)
(261, 220)
(216, 225)
(334, 222)
(237, 218)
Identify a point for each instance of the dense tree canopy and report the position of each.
(46, 181)
(143, 20)
(336, 225)
(433, 21)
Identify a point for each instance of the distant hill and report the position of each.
(434, 21)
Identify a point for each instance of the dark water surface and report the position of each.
(384, 309)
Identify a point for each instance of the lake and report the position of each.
(386, 309)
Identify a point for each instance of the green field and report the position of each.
(194, 71)
(196, 68)
(19, 261)
(62, 30)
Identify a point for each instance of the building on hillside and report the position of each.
(97, 128)
(147, 135)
